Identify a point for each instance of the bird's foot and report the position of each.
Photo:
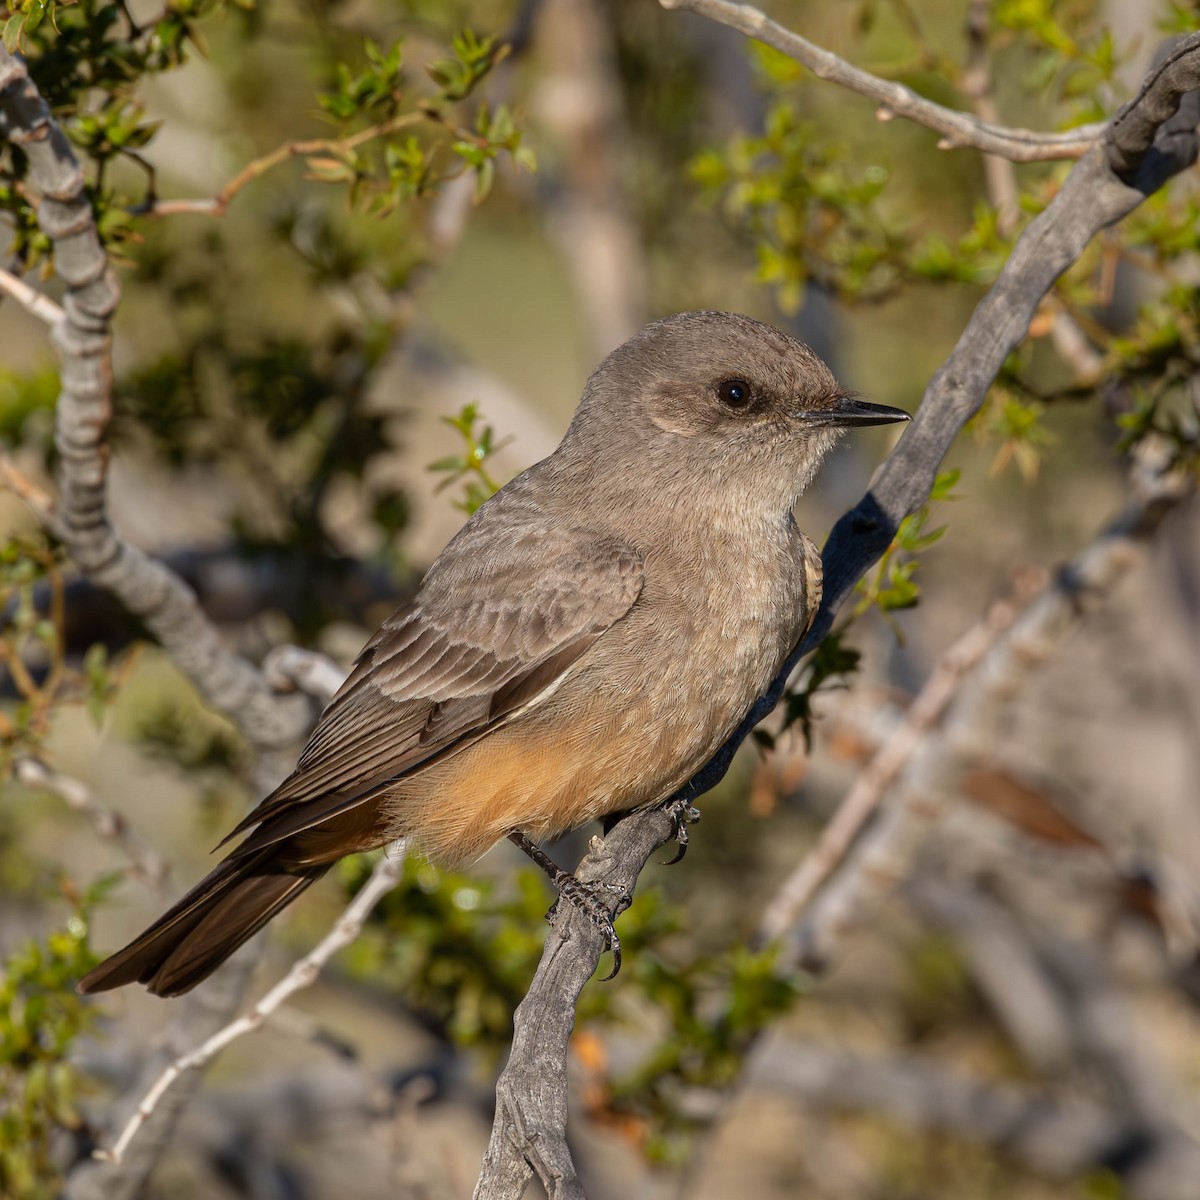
(592, 899)
(682, 813)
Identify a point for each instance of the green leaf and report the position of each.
(34, 14)
(944, 485)
(485, 177)
(832, 660)
(330, 170)
(12, 32)
(99, 686)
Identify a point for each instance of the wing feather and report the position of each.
(473, 649)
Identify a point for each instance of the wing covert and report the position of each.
(488, 633)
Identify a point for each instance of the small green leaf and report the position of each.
(944, 485)
(485, 177)
(12, 32)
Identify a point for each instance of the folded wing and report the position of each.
(483, 640)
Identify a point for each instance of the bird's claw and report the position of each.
(586, 897)
(682, 813)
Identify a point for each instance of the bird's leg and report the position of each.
(585, 896)
(683, 813)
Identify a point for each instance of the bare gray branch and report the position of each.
(958, 129)
(530, 1128)
(84, 341)
(936, 766)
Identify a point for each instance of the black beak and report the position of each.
(848, 412)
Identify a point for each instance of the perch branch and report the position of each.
(529, 1133)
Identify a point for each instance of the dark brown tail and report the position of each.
(191, 940)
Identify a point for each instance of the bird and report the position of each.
(580, 648)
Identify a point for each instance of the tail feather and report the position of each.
(192, 939)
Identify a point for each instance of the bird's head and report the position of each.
(704, 397)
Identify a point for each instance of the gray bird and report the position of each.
(582, 647)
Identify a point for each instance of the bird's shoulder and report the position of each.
(519, 585)
(527, 575)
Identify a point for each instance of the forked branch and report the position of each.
(529, 1133)
(958, 129)
(83, 338)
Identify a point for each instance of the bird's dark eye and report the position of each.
(734, 392)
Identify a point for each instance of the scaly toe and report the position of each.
(585, 897)
(682, 813)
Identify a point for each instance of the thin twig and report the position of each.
(218, 204)
(292, 668)
(933, 766)
(303, 974)
(30, 299)
(976, 84)
(110, 826)
(873, 781)
(38, 499)
(958, 129)
(1073, 345)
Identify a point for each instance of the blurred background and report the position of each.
(318, 376)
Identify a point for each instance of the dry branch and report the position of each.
(934, 766)
(303, 974)
(30, 299)
(1004, 191)
(958, 129)
(976, 83)
(1137, 132)
(292, 668)
(218, 204)
(17, 482)
(84, 342)
(874, 780)
(147, 588)
(529, 1133)
(530, 1129)
(109, 826)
